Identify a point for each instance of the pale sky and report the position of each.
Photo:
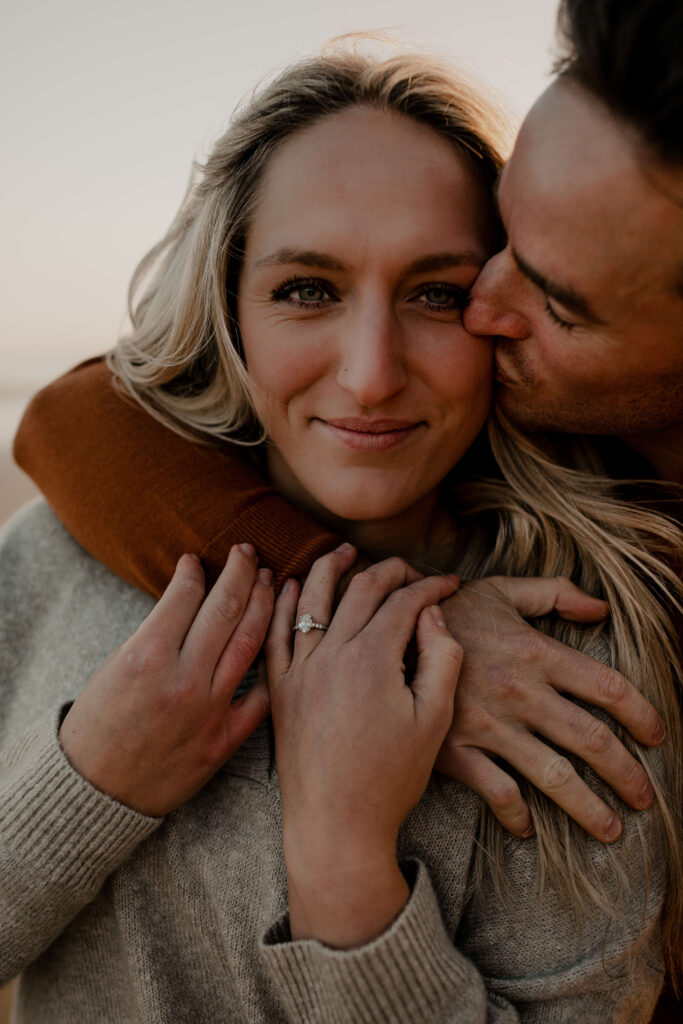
(107, 103)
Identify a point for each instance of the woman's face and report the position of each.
(369, 231)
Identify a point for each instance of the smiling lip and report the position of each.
(371, 435)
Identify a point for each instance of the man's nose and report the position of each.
(493, 308)
(372, 366)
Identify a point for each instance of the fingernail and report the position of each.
(437, 616)
(248, 549)
(343, 548)
(529, 832)
(612, 829)
(646, 796)
(195, 558)
(266, 576)
(660, 732)
(288, 584)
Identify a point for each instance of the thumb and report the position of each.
(438, 667)
(544, 594)
(246, 713)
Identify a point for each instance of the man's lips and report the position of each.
(371, 435)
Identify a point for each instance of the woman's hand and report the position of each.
(510, 698)
(156, 721)
(355, 744)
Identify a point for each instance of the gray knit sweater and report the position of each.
(112, 916)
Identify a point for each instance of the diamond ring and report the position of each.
(306, 624)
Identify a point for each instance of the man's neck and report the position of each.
(664, 451)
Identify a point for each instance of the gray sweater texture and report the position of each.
(112, 917)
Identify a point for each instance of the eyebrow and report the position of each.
(566, 296)
(311, 258)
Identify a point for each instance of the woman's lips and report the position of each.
(371, 435)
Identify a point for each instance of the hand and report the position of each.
(511, 689)
(355, 745)
(156, 721)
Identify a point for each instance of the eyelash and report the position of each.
(284, 291)
(564, 324)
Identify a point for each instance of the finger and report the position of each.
(542, 595)
(318, 593)
(368, 591)
(397, 617)
(555, 776)
(439, 662)
(499, 790)
(246, 714)
(172, 616)
(221, 612)
(573, 728)
(590, 680)
(246, 641)
(280, 637)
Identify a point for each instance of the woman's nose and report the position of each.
(492, 308)
(371, 366)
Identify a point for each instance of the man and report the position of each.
(586, 300)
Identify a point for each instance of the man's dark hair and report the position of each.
(629, 55)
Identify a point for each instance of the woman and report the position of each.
(347, 260)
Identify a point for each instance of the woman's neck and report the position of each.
(422, 534)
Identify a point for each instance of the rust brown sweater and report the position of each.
(139, 503)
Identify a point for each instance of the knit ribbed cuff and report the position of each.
(412, 972)
(54, 824)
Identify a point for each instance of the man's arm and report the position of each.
(136, 495)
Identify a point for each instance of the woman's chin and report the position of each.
(366, 505)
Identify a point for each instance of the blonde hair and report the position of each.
(554, 512)
(182, 362)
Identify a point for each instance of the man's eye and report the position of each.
(566, 325)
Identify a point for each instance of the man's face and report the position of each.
(586, 300)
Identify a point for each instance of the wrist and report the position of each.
(344, 896)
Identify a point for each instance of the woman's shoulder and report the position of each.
(42, 566)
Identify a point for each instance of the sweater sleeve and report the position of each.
(527, 958)
(136, 495)
(60, 838)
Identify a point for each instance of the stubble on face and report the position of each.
(584, 207)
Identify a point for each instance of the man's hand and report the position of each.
(510, 696)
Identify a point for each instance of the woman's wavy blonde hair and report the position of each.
(536, 515)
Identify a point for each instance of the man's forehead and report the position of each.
(577, 203)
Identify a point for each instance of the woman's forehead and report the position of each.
(364, 172)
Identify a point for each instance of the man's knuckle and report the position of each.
(505, 686)
(556, 774)
(633, 773)
(611, 685)
(475, 722)
(598, 737)
(504, 795)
